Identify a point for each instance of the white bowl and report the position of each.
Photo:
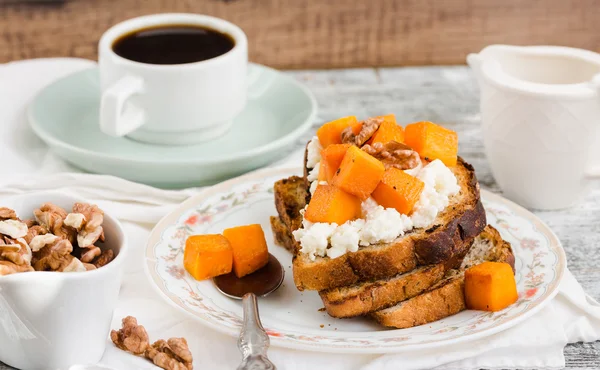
(51, 320)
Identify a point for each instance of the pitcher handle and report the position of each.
(474, 61)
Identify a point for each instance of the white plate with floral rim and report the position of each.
(293, 319)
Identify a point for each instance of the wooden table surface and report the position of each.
(303, 34)
(449, 95)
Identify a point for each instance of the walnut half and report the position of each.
(173, 354)
(394, 154)
(369, 126)
(56, 256)
(131, 338)
(52, 218)
(7, 214)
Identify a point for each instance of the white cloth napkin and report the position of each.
(28, 166)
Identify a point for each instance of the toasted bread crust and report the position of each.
(282, 234)
(447, 297)
(290, 198)
(442, 241)
(446, 300)
(366, 297)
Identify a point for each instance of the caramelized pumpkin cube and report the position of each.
(249, 247)
(490, 286)
(398, 190)
(331, 158)
(207, 256)
(387, 131)
(359, 173)
(330, 204)
(331, 132)
(432, 141)
(323, 171)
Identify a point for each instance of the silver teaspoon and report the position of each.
(253, 341)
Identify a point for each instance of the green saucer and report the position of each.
(278, 112)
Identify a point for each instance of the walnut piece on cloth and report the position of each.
(52, 217)
(7, 214)
(369, 126)
(173, 354)
(394, 154)
(89, 219)
(131, 337)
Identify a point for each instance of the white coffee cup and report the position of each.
(540, 110)
(175, 103)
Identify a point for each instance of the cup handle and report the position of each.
(115, 118)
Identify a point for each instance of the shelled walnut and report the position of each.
(394, 154)
(15, 256)
(57, 257)
(47, 242)
(132, 337)
(52, 217)
(368, 128)
(172, 354)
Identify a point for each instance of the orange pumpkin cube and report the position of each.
(331, 132)
(359, 173)
(490, 286)
(207, 256)
(322, 176)
(330, 204)
(398, 190)
(432, 141)
(331, 158)
(249, 247)
(388, 131)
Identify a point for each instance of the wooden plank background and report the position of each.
(318, 33)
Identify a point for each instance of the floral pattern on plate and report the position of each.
(292, 319)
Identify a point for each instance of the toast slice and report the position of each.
(446, 298)
(453, 229)
(365, 297)
(282, 234)
(290, 197)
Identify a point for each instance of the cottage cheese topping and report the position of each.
(379, 224)
(313, 152)
(313, 175)
(440, 185)
(383, 225)
(314, 238)
(345, 238)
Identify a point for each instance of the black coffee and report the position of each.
(173, 44)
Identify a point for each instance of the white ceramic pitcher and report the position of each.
(540, 108)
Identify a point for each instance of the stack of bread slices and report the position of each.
(416, 279)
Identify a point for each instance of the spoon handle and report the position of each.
(254, 341)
